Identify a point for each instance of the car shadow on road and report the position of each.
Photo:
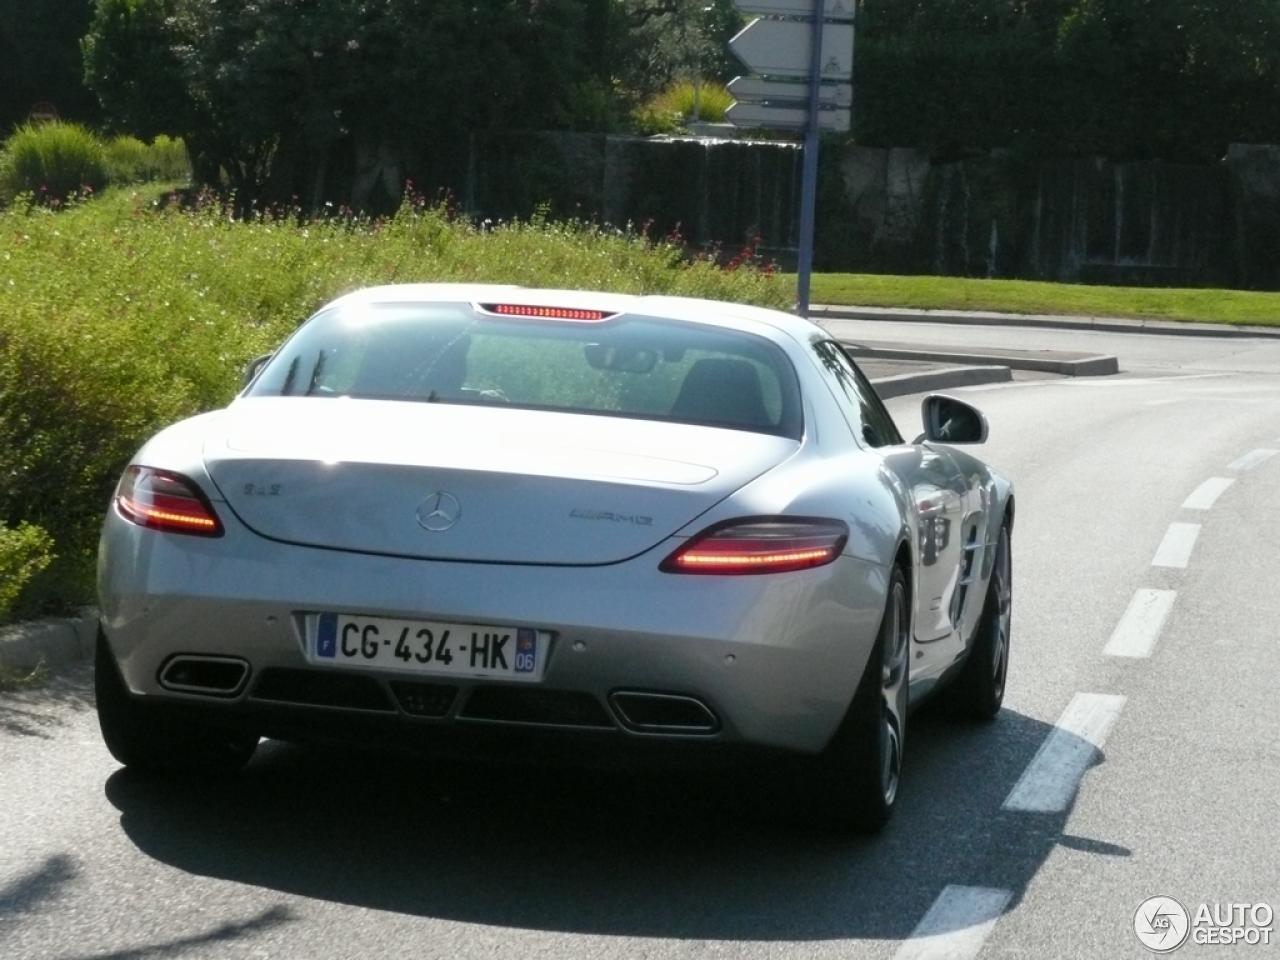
(693, 856)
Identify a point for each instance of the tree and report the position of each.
(259, 86)
(40, 59)
(132, 64)
(658, 41)
(1169, 78)
(1175, 79)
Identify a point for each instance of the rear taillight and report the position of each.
(165, 501)
(760, 546)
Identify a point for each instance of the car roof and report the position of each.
(678, 308)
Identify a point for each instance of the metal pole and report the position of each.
(809, 181)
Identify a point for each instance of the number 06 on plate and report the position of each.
(426, 647)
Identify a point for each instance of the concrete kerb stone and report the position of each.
(1178, 328)
(946, 378)
(50, 644)
(1069, 365)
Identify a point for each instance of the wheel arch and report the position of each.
(904, 557)
(1008, 512)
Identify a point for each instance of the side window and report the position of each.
(873, 408)
(875, 425)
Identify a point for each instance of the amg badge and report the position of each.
(635, 518)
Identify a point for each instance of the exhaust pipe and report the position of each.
(210, 676)
(673, 713)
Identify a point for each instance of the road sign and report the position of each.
(780, 48)
(756, 89)
(785, 116)
(801, 62)
(43, 112)
(831, 9)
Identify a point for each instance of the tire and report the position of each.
(852, 786)
(978, 690)
(157, 739)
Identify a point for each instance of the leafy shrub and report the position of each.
(126, 158)
(118, 318)
(129, 160)
(672, 109)
(24, 551)
(53, 160)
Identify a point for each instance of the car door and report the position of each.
(939, 495)
(931, 475)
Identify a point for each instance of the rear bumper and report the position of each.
(509, 744)
(775, 658)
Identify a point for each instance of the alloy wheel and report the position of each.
(893, 688)
(1004, 613)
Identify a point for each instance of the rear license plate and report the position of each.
(426, 647)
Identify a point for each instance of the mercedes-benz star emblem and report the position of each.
(439, 511)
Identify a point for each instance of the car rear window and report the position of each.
(627, 365)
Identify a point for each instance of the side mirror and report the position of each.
(253, 368)
(948, 420)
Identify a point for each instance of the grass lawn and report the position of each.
(1059, 299)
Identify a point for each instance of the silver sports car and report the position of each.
(488, 519)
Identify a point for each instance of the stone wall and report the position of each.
(880, 210)
(708, 192)
(1093, 221)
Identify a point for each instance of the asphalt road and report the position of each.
(1167, 725)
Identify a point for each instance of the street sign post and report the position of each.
(802, 54)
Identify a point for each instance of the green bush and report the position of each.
(672, 109)
(24, 551)
(129, 160)
(126, 158)
(118, 317)
(53, 161)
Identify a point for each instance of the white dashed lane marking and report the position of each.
(1175, 549)
(1207, 494)
(1136, 633)
(1050, 781)
(957, 924)
(1252, 459)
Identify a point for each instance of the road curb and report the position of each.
(1100, 365)
(49, 644)
(1175, 328)
(948, 378)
